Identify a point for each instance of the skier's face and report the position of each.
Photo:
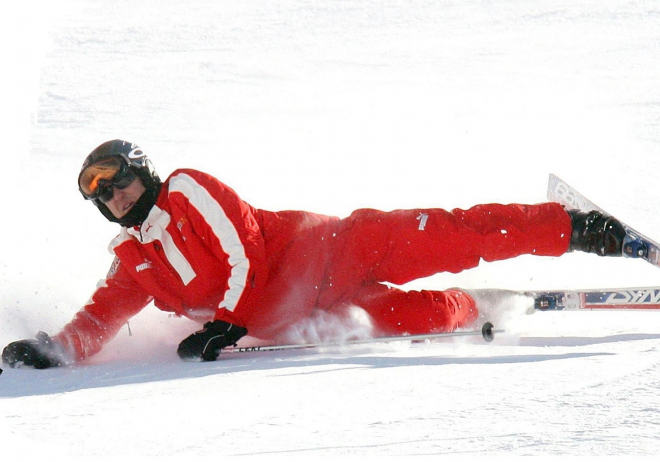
(123, 200)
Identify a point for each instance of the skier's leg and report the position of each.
(394, 311)
(404, 245)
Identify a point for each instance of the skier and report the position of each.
(194, 248)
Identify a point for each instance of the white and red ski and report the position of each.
(643, 298)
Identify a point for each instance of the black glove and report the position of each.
(207, 343)
(596, 232)
(40, 353)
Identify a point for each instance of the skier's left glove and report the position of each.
(41, 353)
(207, 343)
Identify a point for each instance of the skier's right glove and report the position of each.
(206, 344)
(41, 353)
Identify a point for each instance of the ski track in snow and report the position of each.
(332, 106)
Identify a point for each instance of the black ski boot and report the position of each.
(596, 232)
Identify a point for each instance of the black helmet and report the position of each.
(109, 165)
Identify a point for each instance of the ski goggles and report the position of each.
(98, 180)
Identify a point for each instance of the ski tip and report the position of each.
(487, 332)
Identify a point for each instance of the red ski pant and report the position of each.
(337, 263)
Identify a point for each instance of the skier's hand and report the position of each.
(207, 343)
(40, 353)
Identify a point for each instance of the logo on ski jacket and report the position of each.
(422, 218)
(143, 266)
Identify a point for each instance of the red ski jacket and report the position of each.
(200, 253)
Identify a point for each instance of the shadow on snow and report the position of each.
(29, 382)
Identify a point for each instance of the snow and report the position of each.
(330, 106)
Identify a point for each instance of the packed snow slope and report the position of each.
(330, 106)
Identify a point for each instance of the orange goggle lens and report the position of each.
(101, 172)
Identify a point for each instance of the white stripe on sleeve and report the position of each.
(225, 231)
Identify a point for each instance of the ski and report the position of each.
(487, 332)
(643, 298)
(635, 245)
(638, 298)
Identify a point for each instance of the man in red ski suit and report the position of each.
(193, 247)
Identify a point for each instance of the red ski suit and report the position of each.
(205, 254)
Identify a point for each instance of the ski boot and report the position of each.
(596, 232)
